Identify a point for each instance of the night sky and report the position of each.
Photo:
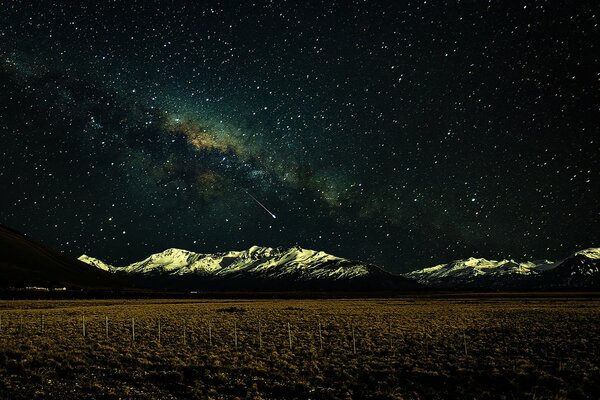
(398, 133)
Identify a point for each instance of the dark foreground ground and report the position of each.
(531, 347)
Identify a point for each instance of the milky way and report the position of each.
(399, 134)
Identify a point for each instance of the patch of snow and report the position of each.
(593, 253)
(95, 262)
(296, 263)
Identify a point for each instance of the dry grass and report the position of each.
(405, 348)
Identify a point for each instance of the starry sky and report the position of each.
(398, 133)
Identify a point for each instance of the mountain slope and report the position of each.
(472, 272)
(580, 270)
(95, 262)
(258, 268)
(25, 262)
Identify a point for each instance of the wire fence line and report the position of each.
(352, 334)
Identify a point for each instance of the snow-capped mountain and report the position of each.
(266, 261)
(95, 262)
(264, 267)
(300, 269)
(473, 272)
(581, 269)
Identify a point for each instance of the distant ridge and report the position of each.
(579, 270)
(26, 262)
(257, 268)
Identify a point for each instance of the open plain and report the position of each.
(536, 347)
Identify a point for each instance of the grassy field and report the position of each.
(412, 348)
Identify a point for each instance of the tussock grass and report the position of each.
(405, 349)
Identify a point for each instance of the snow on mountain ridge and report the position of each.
(258, 261)
(593, 253)
(95, 262)
(472, 268)
(485, 272)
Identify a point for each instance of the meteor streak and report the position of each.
(261, 204)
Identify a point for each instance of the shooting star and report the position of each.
(261, 204)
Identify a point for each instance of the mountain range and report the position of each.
(257, 268)
(298, 268)
(26, 262)
(579, 270)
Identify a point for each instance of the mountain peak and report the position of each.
(592, 252)
(95, 262)
(271, 267)
(175, 250)
(582, 269)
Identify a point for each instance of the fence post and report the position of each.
(259, 337)
(106, 325)
(353, 340)
(320, 337)
(235, 341)
(133, 330)
(83, 325)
